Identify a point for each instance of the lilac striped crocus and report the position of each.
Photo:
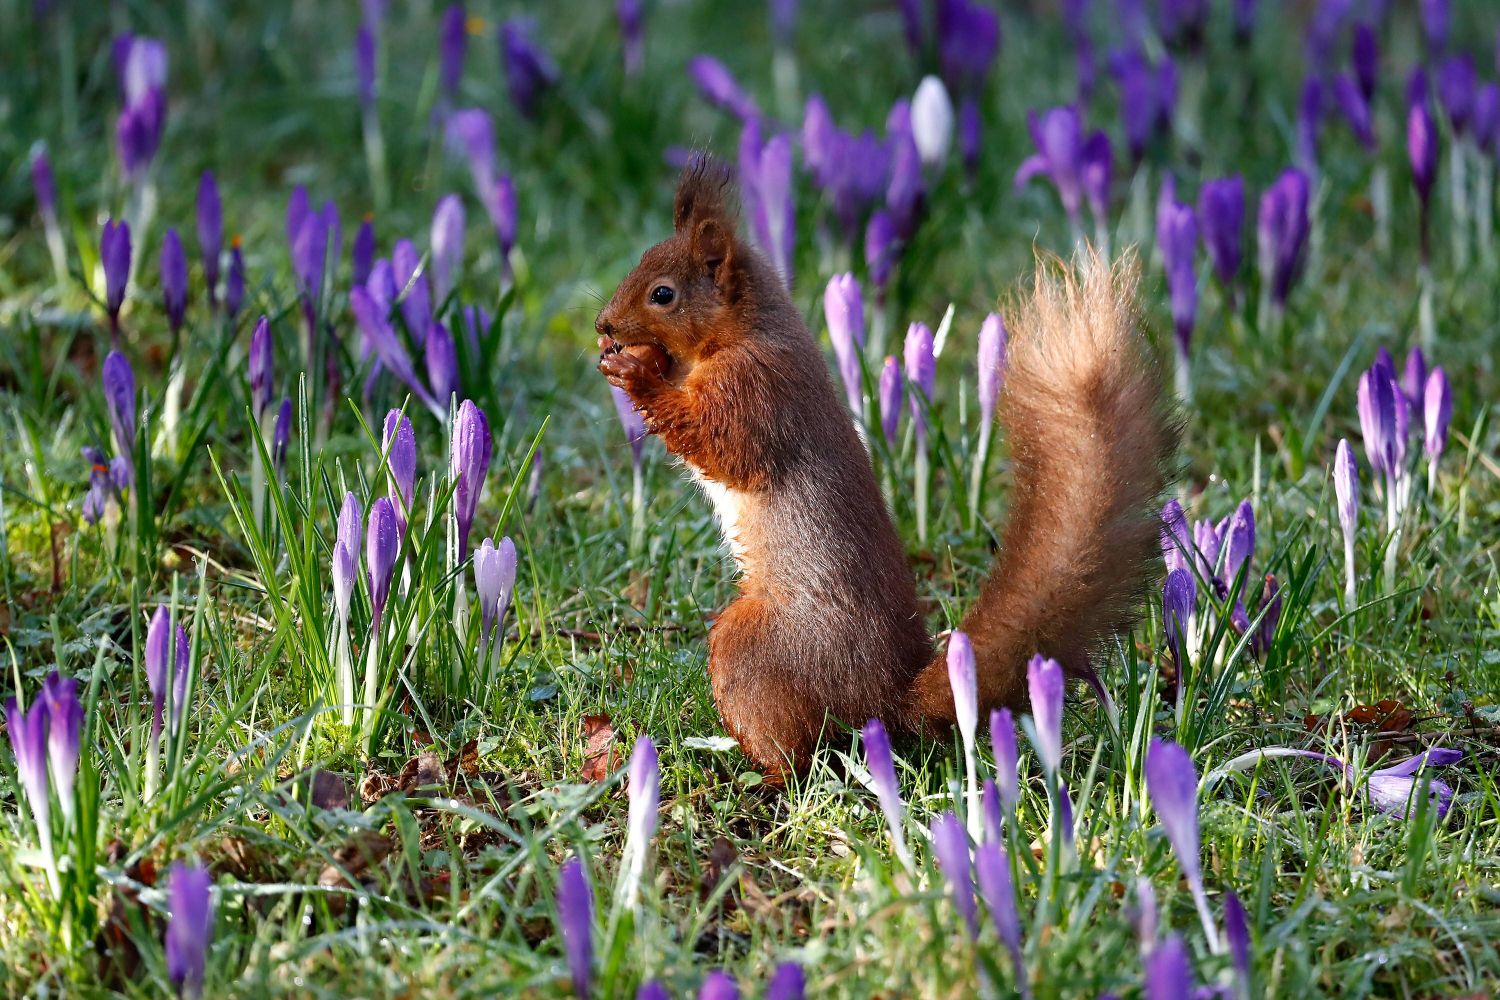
(1221, 218)
(1178, 599)
(787, 983)
(843, 308)
(950, 846)
(398, 443)
(1414, 377)
(575, 918)
(644, 789)
(1437, 414)
(1283, 226)
(1044, 680)
(190, 922)
(963, 679)
(210, 232)
(991, 363)
(114, 256)
(173, 280)
(452, 41)
(719, 88)
(64, 731)
(1172, 783)
(1007, 758)
(997, 889)
(890, 399)
(494, 581)
(27, 729)
(345, 570)
(882, 767)
(1346, 491)
(1379, 418)
(529, 68)
(382, 546)
(119, 402)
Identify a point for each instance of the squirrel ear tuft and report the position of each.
(713, 250)
(706, 191)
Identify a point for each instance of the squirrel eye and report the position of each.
(662, 295)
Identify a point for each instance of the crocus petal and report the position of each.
(1044, 678)
(575, 911)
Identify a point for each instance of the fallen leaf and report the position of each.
(601, 757)
(721, 857)
(356, 857)
(328, 790)
(425, 770)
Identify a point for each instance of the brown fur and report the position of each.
(826, 625)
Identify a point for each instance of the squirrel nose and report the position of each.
(602, 326)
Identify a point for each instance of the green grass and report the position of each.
(1342, 899)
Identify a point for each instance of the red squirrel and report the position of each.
(704, 338)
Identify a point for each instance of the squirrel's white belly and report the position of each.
(729, 505)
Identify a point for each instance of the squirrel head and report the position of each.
(687, 288)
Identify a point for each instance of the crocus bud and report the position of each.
(173, 279)
(495, 581)
(652, 989)
(1346, 488)
(718, 985)
(1096, 175)
(882, 768)
(890, 399)
(260, 362)
(950, 845)
(1044, 679)
(362, 253)
(529, 69)
(364, 64)
(575, 913)
(1365, 57)
(632, 17)
(501, 206)
(997, 889)
(1239, 543)
(1377, 419)
(119, 400)
(1283, 228)
(1270, 616)
(1169, 971)
(1178, 597)
(411, 284)
(881, 248)
(1172, 784)
(633, 423)
(28, 741)
(1422, 148)
(447, 245)
(1355, 108)
(1177, 235)
(992, 342)
(718, 87)
(442, 362)
(970, 134)
(382, 545)
(210, 231)
(1003, 743)
(1176, 539)
(1414, 378)
(64, 728)
(932, 122)
(345, 555)
(1437, 412)
(1058, 135)
(1309, 122)
(644, 789)
(234, 281)
(921, 372)
(1237, 934)
(43, 184)
(766, 177)
(1395, 790)
(190, 923)
(399, 442)
(1456, 86)
(787, 983)
(964, 682)
(452, 39)
(1221, 217)
(114, 254)
(469, 463)
(843, 307)
(281, 436)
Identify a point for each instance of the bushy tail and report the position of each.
(1092, 440)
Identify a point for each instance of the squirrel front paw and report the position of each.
(639, 379)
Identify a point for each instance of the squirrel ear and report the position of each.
(713, 250)
(703, 192)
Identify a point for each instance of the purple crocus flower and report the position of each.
(575, 917)
(1270, 616)
(345, 563)
(1244, 21)
(1172, 783)
(1237, 934)
(843, 308)
(399, 443)
(1422, 150)
(529, 69)
(1436, 17)
(633, 423)
(281, 436)
(495, 581)
(44, 185)
(1393, 790)
(1148, 98)
(362, 252)
(413, 294)
(1437, 412)
(652, 989)
(718, 985)
(173, 279)
(382, 546)
(1177, 236)
(447, 245)
(766, 182)
(968, 40)
(119, 401)
(28, 741)
(1414, 377)
(381, 340)
(1044, 680)
(882, 768)
(905, 189)
(469, 463)
(890, 399)
(442, 362)
(632, 17)
(950, 845)
(1239, 541)
(1377, 420)
(1003, 743)
(644, 789)
(1178, 598)
(234, 280)
(1355, 108)
(1346, 490)
(996, 887)
(921, 372)
(1282, 232)
(1096, 174)
(452, 39)
(64, 729)
(1309, 123)
(1456, 87)
(210, 231)
(500, 205)
(1183, 21)
(1365, 57)
(881, 250)
(114, 254)
(167, 656)
(1176, 538)
(970, 134)
(1058, 134)
(364, 65)
(138, 133)
(190, 911)
(1169, 972)
(1221, 217)
(260, 362)
(787, 983)
(991, 359)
